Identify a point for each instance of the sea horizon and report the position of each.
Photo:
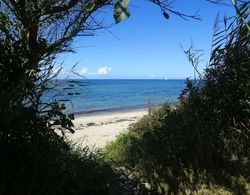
(59, 79)
(85, 96)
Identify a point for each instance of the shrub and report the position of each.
(35, 160)
(205, 139)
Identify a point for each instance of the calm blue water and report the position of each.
(104, 95)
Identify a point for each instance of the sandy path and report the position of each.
(96, 130)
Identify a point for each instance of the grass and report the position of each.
(201, 145)
(138, 150)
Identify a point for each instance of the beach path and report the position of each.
(96, 130)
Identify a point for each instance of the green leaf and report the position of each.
(121, 11)
(3, 17)
(30, 72)
(165, 14)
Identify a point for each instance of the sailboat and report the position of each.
(166, 78)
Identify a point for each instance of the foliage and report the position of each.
(204, 140)
(40, 162)
(122, 12)
(34, 158)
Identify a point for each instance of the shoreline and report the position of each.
(97, 129)
(110, 111)
(114, 110)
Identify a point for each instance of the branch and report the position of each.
(61, 8)
(166, 7)
(218, 2)
(77, 25)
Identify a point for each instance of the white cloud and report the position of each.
(104, 70)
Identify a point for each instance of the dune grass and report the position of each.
(201, 145)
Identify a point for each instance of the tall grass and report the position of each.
(43, 163)
(204, 141)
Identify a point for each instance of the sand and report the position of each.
(96, 130)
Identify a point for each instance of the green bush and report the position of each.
(204, 140)
(35, 160)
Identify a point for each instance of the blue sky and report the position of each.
(146, 46)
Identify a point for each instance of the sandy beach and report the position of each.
(97, 129)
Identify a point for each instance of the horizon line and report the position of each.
(122, 78)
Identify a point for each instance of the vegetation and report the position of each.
(207, 132)
(204, 140)
(34, 158)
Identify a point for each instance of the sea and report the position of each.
(106, 95)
